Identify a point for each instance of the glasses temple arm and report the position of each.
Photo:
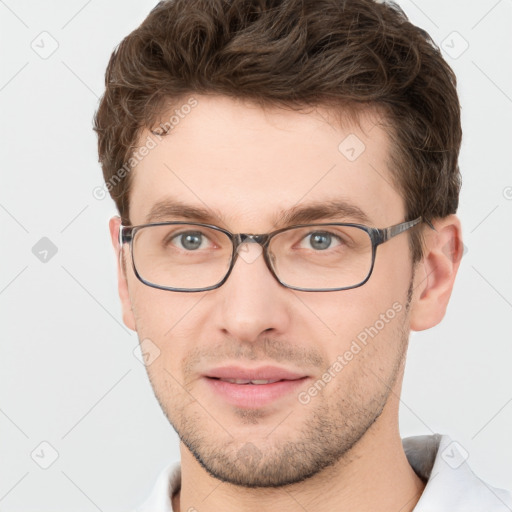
(392, 231)
(429, 224)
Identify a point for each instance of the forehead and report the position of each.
(250, 164)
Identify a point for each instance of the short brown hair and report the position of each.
(343, 53)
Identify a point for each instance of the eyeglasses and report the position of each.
(193, 257)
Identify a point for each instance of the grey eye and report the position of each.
(320, 240)
(190, 240)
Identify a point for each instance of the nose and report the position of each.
(251, 301)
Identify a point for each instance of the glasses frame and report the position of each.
(377, 237)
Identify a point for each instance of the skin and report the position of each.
(335, 452)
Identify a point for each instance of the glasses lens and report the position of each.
(322, 257)
(181, 255)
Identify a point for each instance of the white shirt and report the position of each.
(451, 486)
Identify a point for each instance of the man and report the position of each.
(286, 177)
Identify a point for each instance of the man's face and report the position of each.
(246, 166)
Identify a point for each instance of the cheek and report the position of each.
(363, 326)
(343, 315)
(170, 321)
(158, 312)
(151, 310)
(369, 350)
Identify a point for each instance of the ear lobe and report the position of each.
(122, 283)
(435, 274)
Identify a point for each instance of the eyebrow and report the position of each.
(173, 209)
(334, 209)
(329, 209)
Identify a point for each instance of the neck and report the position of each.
(373, 476)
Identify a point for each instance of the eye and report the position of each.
(320, 240)
(189, 240)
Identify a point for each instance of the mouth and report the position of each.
(261, 375)
(258, 382)
(253, 388)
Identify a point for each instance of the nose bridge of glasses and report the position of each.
(243, 249)
(244, 238)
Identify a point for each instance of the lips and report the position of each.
(251, 388)
(248, 381)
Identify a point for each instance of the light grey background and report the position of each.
(69, 374)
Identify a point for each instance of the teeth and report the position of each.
(237, 381)
(247, 381)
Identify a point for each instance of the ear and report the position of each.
(435, 273)
(122, 284)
